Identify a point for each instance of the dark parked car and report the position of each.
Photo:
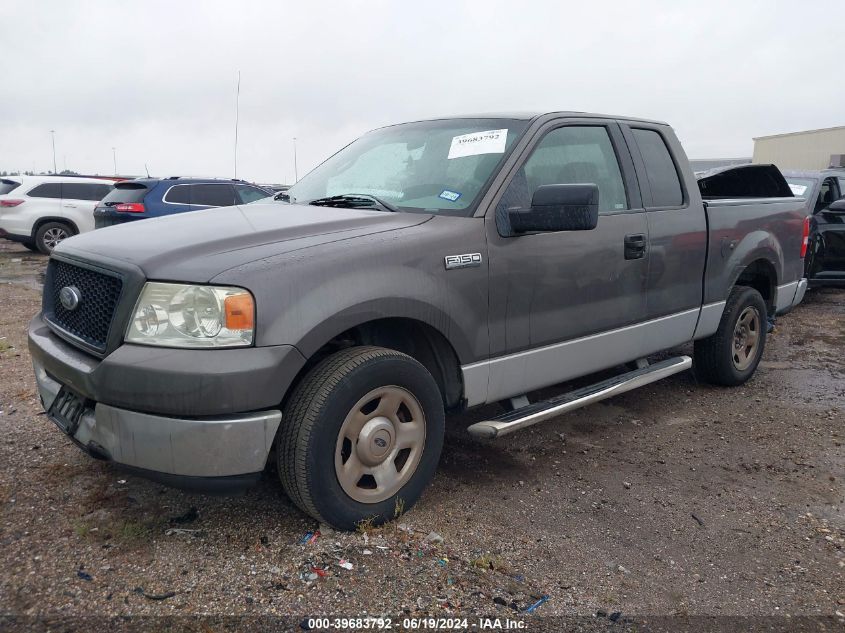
(825, 262)
(154, 197)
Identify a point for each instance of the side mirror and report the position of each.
(559, 208)
(836, 207)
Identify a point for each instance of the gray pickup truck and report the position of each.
(426, 267)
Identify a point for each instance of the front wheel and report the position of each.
(731, 355)
(361, 437)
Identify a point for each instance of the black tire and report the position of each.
(44, 236)
(314, 416)
(714, 356)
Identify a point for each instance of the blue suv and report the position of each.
(153, 197)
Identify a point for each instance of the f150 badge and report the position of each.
(467, 260)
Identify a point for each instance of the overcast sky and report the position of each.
(157, 80)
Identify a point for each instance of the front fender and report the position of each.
(310, 296)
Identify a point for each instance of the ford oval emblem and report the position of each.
(69, 296)
(380, 442)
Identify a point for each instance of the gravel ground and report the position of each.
(674, 499)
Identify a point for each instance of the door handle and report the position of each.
(635, 246)
(70, 206)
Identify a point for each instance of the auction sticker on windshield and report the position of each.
(451, 196)
(489, 142)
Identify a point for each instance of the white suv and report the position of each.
(41, 211)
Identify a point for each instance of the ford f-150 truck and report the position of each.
(425, 268)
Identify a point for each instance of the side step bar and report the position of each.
(541, 411)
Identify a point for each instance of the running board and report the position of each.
(541, 411)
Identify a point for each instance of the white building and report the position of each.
(810, 150)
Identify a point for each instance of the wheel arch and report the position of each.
(760, 274)
(52, 218)
(415, 337)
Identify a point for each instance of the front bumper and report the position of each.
(190, 418)
(222, 452)
(170, 382)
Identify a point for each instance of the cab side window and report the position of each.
(660, 168)
(46, 190)
(828, 194)
(84, 191)
(213, 195)
(570, 155)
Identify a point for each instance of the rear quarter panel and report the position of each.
(744, 231)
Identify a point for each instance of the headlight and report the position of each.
(179, 315)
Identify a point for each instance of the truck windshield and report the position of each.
(430, 166)
(801, 187)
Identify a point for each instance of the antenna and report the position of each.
(237, 112)
(295, 171)
(147, 169)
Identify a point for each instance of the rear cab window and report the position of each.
(660, 169)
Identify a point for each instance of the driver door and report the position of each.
(560, 302)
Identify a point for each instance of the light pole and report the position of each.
(114, 158)
(53, 136)
(295, 172)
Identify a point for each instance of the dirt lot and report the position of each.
(675, 499)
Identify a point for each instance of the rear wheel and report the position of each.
(732, 354)
(50, 234)
(361, 437)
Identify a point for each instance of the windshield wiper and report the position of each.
(354, 201)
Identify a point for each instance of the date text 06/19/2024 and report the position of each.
(415, 624)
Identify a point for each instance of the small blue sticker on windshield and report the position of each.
(451, 196)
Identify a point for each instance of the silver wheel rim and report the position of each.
(746, 338)
(52, 237)
(380, 444)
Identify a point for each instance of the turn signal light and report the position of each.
(10, 203)
(130, 207)
(240, 312)
(805, 238)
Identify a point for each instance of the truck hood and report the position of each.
(199, 245)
